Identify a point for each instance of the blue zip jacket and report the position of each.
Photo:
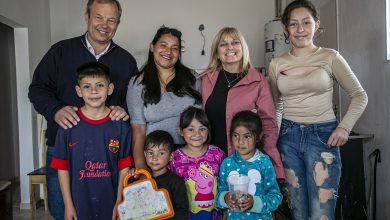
(54, 80)
(262, 186)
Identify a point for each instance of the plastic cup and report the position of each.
(238, 188)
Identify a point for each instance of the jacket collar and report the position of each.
(237, 157)
(252, 76)
(84, 41)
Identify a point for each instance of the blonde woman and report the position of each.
(231, 85)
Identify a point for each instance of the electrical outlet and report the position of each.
(201, 27)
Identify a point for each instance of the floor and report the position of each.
(25, 214)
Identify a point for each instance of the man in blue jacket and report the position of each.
(52, 90)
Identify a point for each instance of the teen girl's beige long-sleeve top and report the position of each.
(307, 98)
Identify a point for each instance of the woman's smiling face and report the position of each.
(166, 51)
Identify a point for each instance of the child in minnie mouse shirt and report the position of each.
(263, 192)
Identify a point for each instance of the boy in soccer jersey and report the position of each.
(93, 157)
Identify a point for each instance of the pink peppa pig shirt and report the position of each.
(200, 175)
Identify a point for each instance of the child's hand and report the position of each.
(70, 213)
(132, 172)
(114, 213)
(135, 176)
(229, 202)
(246, 202)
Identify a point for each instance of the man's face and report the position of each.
(102, 23)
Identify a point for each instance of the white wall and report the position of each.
(32, 39)
(363, 44)
(141, 19)
(35, 16)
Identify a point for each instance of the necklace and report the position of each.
(230, 82)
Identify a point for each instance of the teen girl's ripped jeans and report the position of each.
(312, 168)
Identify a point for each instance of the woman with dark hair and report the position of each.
(310, 137)
(160, 92)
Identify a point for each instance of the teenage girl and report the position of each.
(263, 192)
(302, 82)
(198, 164)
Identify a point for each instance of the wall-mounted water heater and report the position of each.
(275, 44)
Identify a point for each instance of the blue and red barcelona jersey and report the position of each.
(94, 152)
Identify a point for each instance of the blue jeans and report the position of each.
(312, 168)
(54, 196)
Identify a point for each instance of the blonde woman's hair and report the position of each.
(232, 32)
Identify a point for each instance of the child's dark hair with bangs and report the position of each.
(92, 69)
(195, 113)
(250, 121)
(158, 138)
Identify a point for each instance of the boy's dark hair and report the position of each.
(93, 69)
(249, 120)
(159, 137)
(194, 113)
(182, 83)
